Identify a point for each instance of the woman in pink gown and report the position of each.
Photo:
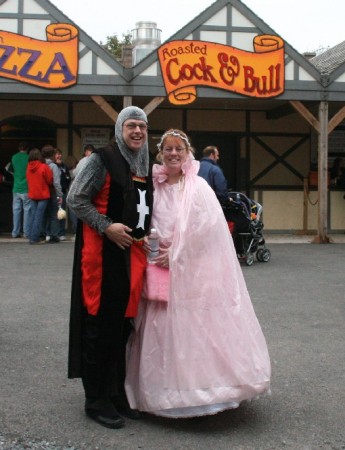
(203, 351)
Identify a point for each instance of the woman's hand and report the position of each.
(163, 259)
(118, 233)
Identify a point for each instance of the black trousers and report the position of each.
(104, 355)
(105, 335)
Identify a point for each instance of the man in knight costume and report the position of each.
(112, 197)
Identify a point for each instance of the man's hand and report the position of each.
(118, 233)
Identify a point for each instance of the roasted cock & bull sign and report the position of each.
(187, 64)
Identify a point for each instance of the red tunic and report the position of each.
(92, 257)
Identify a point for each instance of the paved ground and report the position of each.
(299, 300)
(272, 238)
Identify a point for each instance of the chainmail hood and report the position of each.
(138, 161)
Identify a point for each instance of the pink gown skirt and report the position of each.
(203, 351)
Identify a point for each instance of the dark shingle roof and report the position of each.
(330, 60)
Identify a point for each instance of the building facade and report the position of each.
(285, 122)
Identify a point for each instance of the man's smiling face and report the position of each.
(134, 133)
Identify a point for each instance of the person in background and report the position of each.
(337, 173)
(21, 201)
(40, 178)
(71, 163)
(52, 225)
(65, 181)
(213, 174)
(202, 350)
(7, 173)
(112, 197)
(88, 150)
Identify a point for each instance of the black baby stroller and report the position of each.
(244, 219)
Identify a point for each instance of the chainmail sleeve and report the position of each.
(84, 188)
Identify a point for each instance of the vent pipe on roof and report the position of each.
(309, 55)
(146, 37)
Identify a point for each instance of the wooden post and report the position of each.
(127, 101)
(305, 205)
(323, 128)
(321, 237)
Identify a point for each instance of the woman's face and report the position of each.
(174, 153)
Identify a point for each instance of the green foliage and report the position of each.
(113, 44)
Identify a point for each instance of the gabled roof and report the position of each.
(231, 22)
(330, 60)
(228, 22)
(97, 68)
(331, 64)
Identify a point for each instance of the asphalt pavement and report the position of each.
(300, 302)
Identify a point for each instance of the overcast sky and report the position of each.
(307, 25)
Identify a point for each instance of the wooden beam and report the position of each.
(104, 105)
(304, 112)
(153, 104)
(322, 237)
(336, 119)
(127, 101)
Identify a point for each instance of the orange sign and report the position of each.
(187, 64)
(51, 64)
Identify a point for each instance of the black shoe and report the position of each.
(53, 240)
(108, 422)
(104, 412)
(130, 413)
(122, 406)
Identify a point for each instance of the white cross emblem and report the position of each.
(142, 209)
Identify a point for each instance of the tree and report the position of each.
(113, 45)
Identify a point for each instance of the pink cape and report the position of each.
(204, 350)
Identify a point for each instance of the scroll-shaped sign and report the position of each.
(187, 64)
(51, 64)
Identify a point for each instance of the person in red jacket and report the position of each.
(40, 178)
